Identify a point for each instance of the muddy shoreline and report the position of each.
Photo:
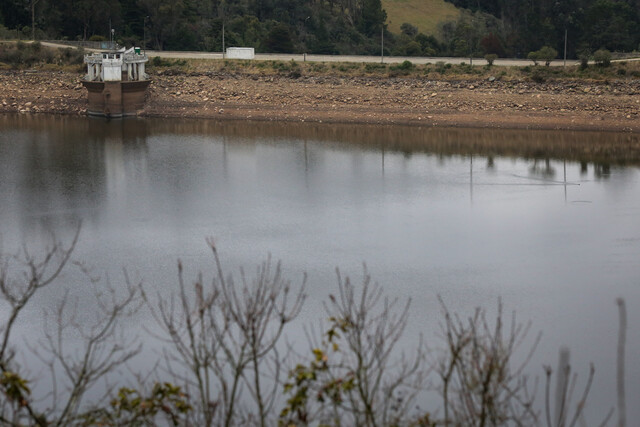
(563, 105)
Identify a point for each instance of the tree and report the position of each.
(490, 58)
(602, 57)
(429, 44)
(547, 54)
(14, 13)
(278, 40)
(372, 17)
(491, 44)
(354, 375)
(408, 29)
(88, 11)
(479, 386)
(164, 18)
(611, 25)
(74, 369)
(225, 336)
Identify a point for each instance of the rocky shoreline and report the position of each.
(562, 105)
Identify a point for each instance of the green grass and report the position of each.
(424, 14)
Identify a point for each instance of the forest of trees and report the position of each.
(507, 28)
(336, 26)
(520, 26)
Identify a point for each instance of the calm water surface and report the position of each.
(543, 220)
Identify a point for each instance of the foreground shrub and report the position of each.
(223, 350)
(226, 336)
(354, 375)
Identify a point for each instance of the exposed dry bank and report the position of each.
(286, 93)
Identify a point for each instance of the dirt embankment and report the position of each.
(479, 103)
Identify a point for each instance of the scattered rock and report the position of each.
(378, 99)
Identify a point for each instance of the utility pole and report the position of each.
(565, 48)
(33, 19)
(144, 34)
(304, 57)
(222, 13)
(382, 45)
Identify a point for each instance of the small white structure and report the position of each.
(240, 53)
(112, 66)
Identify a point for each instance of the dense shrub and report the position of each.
(401, 69)
(602, 57)
(584, 57)
(490, 58)
(157, 61)
(406, 65)
(546, 54)
(442, 67)
(539, 76)
(374, 66)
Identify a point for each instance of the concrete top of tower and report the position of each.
(118, 57)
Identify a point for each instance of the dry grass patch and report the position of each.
(424, 14)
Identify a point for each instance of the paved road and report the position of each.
(353, 58)
(348, 58)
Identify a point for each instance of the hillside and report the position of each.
(344, 27)
(424, 14)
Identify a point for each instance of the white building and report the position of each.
(115, 66)
(240, 53)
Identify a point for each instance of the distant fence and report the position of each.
(6, 34)
(106, 45)
(625, 55)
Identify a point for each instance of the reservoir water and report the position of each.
(547, 221)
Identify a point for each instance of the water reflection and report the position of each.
(65, 168)
(64, 180)
(468, 214)
(590, 147)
